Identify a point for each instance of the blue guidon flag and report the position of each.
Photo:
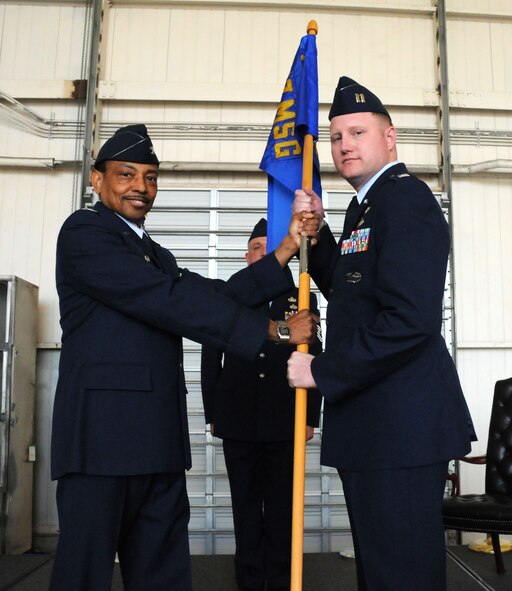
(297, 115)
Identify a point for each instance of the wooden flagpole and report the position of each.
(299, 454)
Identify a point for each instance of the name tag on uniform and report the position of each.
(358, 241)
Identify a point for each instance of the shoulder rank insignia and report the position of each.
(395, 177)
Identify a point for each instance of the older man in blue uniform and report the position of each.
(394, 411)
(251, 407)
(120, 442)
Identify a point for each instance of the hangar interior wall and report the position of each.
(206, 78)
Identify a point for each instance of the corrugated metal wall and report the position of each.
(206, 78)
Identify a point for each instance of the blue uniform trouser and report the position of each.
(144, 518)
(397, 527)
(261, 480)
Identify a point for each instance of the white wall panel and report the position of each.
(469, 63)
(32, 208)
(228, 54)
(482, 210)
(484, 8)
(195, 51)
(482, 55)
(138, 45)
(251, 49)
(479, 49)
(41, 42)
(400, 57)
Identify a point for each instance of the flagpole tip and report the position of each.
(312, 28)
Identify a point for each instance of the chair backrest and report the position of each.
(498, 475)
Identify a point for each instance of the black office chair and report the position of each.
(490, 513)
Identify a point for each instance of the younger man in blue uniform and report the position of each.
(394, 412)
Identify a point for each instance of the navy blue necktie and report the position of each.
(351, 216)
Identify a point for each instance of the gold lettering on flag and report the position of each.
(283, 128)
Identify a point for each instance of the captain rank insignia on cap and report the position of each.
(352, 97)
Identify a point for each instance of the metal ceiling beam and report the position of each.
(90, 108)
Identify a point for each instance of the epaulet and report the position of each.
(397, 177)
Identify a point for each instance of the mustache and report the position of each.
(137, 197)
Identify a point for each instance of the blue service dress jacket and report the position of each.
(120, 403)
(251, 400)
(392, 393)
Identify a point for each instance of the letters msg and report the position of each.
(284, 126)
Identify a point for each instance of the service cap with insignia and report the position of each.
(352, 97)
(129, 144)
(260, 230)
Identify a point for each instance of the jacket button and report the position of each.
(262, 355)
(262, 375)
(147, 258)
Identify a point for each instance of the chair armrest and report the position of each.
(474, 459)
(454, 478)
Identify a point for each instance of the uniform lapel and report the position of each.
(355, 210)
(161, 257)
(150, 250)
(352, 216)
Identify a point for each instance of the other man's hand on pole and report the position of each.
(308, 200)
(299, 370)
(301, 224)
(304, 224)
(302, 327)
